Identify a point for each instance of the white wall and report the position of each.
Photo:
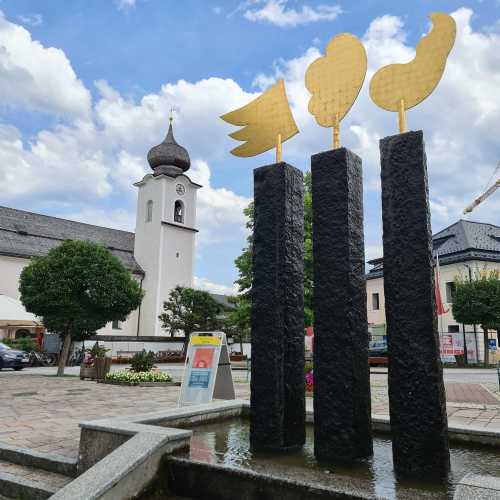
(375, 285)
(10, 271)
(164, 251)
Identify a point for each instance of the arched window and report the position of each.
(179, 212)
(149, 211)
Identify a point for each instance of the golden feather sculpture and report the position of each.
(335, 81)
(399, 87)
(267, 122)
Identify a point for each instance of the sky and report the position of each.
(86, 87)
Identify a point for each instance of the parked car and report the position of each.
(377, 353)
(12, 358)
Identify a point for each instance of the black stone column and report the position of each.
(416, 391)
(342, 419)
(277, 415)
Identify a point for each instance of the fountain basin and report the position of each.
(220, 465)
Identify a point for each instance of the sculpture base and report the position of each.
(416, 390)
(342, 419)
(277, 414)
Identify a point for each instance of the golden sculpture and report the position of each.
(267, 122)
(399, 87)
(335, 80)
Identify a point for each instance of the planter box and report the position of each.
(97, 371)
(87, 372)
(140, 384)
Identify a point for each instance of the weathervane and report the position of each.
(335, 80)
(398, 87)
(173, 109)
(267, 122)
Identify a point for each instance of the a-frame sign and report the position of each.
(207, 372)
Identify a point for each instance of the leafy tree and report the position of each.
(244, 262)
(189, 310)
(237, 322)
(477, 302)
(76, 289)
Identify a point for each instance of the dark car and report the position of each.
(11, 358)
(377, 353)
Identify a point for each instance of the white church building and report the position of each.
(160, 254)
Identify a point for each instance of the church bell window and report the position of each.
(179, 212)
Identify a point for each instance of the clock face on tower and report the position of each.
(180, 189)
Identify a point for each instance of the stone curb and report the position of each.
(475, 486)
(134, 460)
(132, 464)
(18, 487)
(51, 462)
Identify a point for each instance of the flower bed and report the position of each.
(128, 377)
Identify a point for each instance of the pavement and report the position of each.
(40, 411)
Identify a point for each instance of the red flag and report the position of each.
(437, 289)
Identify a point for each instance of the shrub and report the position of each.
(97, 351)
(142, 361)
(138, 377)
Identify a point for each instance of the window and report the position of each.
(149, 211)
(179, 211)
(453, 328)
(450, 292)
(116, 325)
(375, 301)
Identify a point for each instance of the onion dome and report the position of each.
(169, 157)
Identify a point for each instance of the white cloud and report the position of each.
(460, 119)
(208, 286)
(125, 4)
(38, 78)
(31, 19)
(78, 168)
(115, 218)
(276, 12)
(219, 211)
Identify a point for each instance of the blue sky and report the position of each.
(85, 88)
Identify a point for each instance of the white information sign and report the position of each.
(207, 373)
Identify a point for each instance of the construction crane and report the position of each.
(486, 194)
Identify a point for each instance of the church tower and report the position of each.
(165, 229)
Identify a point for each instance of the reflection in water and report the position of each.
(227, 443)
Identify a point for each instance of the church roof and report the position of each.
(462, 241)
(169, 154)
(26, 234)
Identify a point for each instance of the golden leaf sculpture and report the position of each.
(267, 122)
(399, 87)
(335, 80)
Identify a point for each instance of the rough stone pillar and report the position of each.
(277, 415)
(416, 390)
(342, 419)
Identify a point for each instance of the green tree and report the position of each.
(76, 289)
(244, 262)
(477, 302)
(189, 310)
(236, 322)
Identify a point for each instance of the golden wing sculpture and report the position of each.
(267, 122)
(399, 87)
(335, 80)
